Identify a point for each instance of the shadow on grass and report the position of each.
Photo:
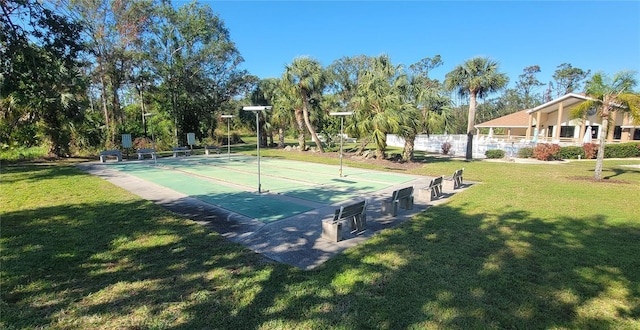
(133, 265)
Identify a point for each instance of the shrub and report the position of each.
(590, 150)
(546, 151)
(494, 154)
(446, 147)
(621, 150)
(571, 152)
(525, 152)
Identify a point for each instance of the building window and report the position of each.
(636, 133)
(550, 131)
(617, 133)
(567, 131)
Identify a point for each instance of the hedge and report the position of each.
(494, 154)
(545, 151)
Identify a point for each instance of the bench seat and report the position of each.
(181, 150)
(113, 153)
(353, 213)
(433, 191)
(402, 198)
(142, 152)
(210, 149)
(455, 179)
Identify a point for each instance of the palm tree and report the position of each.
(305, 78)
(378, 102)
(608, 96)
(425, 110)
(475, 78)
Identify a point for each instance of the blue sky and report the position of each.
(599, 36)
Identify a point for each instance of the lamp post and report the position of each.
(153, 141)
(228, 135)
(342, 115)
(257, 109)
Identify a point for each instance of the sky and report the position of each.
(601, 36)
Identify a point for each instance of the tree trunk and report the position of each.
(470, 124)
(312, 131)
(300, 124)
(281, 137)
(407, 153)
(105, 108)
(602, 140)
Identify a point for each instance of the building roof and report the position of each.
(516, 119)
(566, 100)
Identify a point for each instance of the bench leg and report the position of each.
(332, 231)
(407, 203)
(390, 208)
(358, 223)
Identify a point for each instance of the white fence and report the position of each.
(433, 143)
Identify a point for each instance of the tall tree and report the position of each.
(197, 67)
(475, 78)
(305, 78)
(526, 85)
(40, 83)
(422, 111)
(114, 34)
(569, 79)
(378, 102)
(609, 95)
(346, 76)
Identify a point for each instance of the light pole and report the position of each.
(153, 141)
(228, 135)
(257, 109)
(342, 115)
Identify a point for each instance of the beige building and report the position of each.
(552, 123)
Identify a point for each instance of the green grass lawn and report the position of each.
(528, 246)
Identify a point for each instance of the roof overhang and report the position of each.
(500, 126)
(566, 100)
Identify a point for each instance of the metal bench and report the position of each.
(353, 213)
(106, 153)
(435, 186)
(209, 149)
(402, 198)
(456, 178)
(184, 150)
(143, 152)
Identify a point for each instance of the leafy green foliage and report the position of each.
(525, 152)
(571, 152)
(622, 150)
(40, 85)
(494, 154)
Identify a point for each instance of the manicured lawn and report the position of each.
(529, 246)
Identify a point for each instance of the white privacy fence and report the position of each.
(433, 143)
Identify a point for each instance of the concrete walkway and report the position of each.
(295, 240)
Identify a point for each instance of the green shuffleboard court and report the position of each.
(288, 187)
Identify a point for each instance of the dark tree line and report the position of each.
(78, 76)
